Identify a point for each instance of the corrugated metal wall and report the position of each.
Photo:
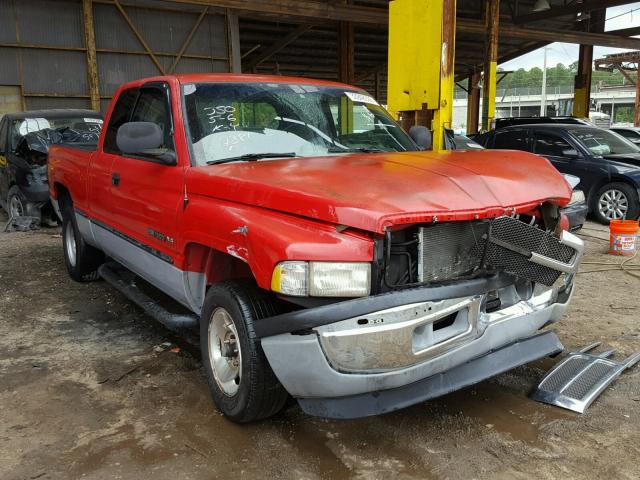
(42, 47)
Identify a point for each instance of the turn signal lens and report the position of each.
(290, 278)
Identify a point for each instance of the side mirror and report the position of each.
(422, 136)
(145, 139)
(570, 153)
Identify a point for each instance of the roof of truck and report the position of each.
(186, 78)
(53, 113)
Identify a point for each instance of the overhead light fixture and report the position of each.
(541, 6)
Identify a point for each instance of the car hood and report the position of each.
(374, 191)
(626, 158)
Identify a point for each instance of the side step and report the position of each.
(124, 281)
(578, 380)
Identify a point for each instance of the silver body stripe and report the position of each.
(185, 287)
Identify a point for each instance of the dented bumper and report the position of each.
(368, 363)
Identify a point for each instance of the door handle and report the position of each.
(115, 179)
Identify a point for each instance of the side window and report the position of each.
(152, 106)
(631, 135)
(550, 145)
(121, 114)
(511, 140)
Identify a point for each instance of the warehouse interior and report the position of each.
(95, 387)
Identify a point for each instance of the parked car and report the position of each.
(321, 255)
(607, 164)
(24, 146)
(512, 121)
(630, 133)
(577, 209)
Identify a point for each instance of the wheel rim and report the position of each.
(70, 244)
(16, 209)
(225, 355)
(613, 204)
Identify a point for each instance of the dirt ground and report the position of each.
(88, 391)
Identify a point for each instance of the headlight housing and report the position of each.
(577, 197)
(322, 279)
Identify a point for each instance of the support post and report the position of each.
(443, 116)
(473, 103)
(582, 82)
(421, 53)
(233, 42)
(492, 21)
(346, 55)
(92, 58)
(636, 112)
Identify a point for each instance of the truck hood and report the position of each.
(374, 191)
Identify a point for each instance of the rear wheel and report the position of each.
(81, 259)
(18, 206)
(615, 201)
(241, 382)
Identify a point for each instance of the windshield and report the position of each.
(604, 142)
(230, 120)
(80, 130)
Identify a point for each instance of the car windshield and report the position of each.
(69, 130)
(604, 142)
(262, 120)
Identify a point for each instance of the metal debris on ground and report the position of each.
(578, 379)
(22, 224)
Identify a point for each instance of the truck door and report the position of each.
(100, 179)
(146, 193)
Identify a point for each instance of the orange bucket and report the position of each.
(623, 237)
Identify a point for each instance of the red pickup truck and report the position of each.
(322, 254)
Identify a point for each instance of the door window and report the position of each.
(120, 115)
(152, 106)
(551, 145)
(511, 140)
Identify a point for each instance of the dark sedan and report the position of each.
(607, 164)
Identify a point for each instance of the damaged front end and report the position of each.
(452, 303)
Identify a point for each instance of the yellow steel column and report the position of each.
(582, 85)
(492, 21)
(421, 56)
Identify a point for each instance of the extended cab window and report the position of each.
(551, 145)
(511, 140)
(121, 114)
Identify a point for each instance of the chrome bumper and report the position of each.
(395, 347)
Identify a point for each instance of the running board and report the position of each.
(578, 380)
(124, 281)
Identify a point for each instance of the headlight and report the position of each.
(322, 279)
(577, 197)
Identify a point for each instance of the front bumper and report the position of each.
(577, 215)
(375, 362)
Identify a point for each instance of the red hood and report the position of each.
(372, 191)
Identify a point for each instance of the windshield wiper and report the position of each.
(252, 157)
(354, 150)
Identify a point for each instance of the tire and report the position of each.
(18, 206)
(615, 200)
(81, 259)
(241, 381)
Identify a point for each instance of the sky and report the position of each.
(625, 16)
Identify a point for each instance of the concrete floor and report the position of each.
(85, 392)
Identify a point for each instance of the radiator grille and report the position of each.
(451, 250)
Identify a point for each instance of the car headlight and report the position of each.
(322, 279)
(577, 197)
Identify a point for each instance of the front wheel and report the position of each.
(18, 206)
(615, 201)
(241, 381)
